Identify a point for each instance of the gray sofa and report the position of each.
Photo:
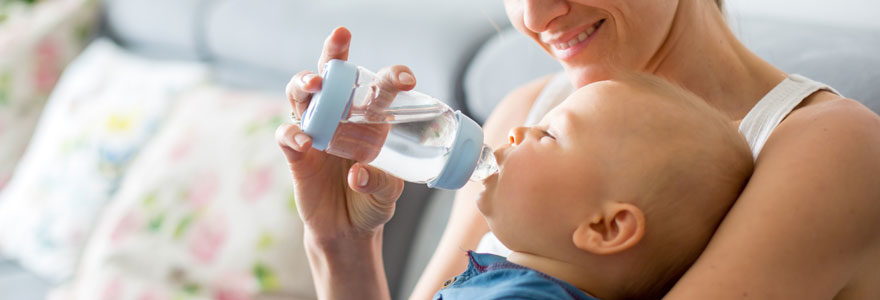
(460, 51)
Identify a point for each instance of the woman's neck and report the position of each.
(702, 54)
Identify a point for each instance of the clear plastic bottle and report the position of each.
(414, 137)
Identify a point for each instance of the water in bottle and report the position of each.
(412, 136)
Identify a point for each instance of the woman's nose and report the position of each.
(517, 135)
(538, 14)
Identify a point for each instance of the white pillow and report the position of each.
(107, 105)
(206, 211)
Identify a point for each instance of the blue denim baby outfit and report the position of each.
(493, 277)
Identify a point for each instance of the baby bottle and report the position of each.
(414, 136)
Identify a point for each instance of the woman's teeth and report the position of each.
(579, 38)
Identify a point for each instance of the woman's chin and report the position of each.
(584, 74)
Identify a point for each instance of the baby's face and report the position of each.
(555, 174)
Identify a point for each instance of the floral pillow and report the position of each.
(205, 212)
(36, 42)
(107, 105)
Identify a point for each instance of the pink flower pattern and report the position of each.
(113, 290)
(204, 190)
(233, 286)
(182, 149)
(208, 238)
(125, 227)
(48, 67)
(257, 183)
(148, 295)
(191, 215)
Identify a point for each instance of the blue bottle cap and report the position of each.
(462, 157)
(330, 104)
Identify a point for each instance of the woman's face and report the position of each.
(590, 36)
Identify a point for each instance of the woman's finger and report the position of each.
(396, 78)
(369, 180)
(303, 160)
(291, 137)
(390, 81)
(300, 89)
(335, 47)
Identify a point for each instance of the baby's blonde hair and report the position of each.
(704, 163)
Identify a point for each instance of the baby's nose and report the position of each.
(516, 135)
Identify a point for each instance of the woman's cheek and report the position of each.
(514, 10)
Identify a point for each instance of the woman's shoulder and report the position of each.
(831, 119)
(829, 135)
(818, 173)
(513, 110)
(806, 225)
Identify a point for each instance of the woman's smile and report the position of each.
(570, 44)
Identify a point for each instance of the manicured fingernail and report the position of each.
(405, 78)
(308, 78)
(363, 177)
(301, 139)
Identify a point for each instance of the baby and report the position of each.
(612, 196)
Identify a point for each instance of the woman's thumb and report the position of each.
(369, 180)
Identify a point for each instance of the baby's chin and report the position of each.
(486, 197)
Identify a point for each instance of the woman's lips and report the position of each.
(567, 49)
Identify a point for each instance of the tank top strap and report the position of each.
(556, 90)
(763, 118)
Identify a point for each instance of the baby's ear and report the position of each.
(618, 227)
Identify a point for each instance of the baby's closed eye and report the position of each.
(547, 135)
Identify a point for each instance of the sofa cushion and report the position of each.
(206, 211)
(492, 75)
(261, 43)
(157, 28)
(842, 57)
(105, 108)
(435, 38)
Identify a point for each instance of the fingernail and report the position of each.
(363, 177)
(405, 78)
(308, 78)
(301, 139)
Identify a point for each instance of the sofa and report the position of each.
(152, 172)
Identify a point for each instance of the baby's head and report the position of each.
(627, 179)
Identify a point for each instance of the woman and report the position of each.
(806, 226)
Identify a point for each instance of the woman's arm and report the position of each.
(348, 268)
(466, 225)
(809, 217)
(343, 204)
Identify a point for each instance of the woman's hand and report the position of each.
(343, 204)
(335, 196)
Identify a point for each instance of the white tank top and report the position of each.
(757, 125)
